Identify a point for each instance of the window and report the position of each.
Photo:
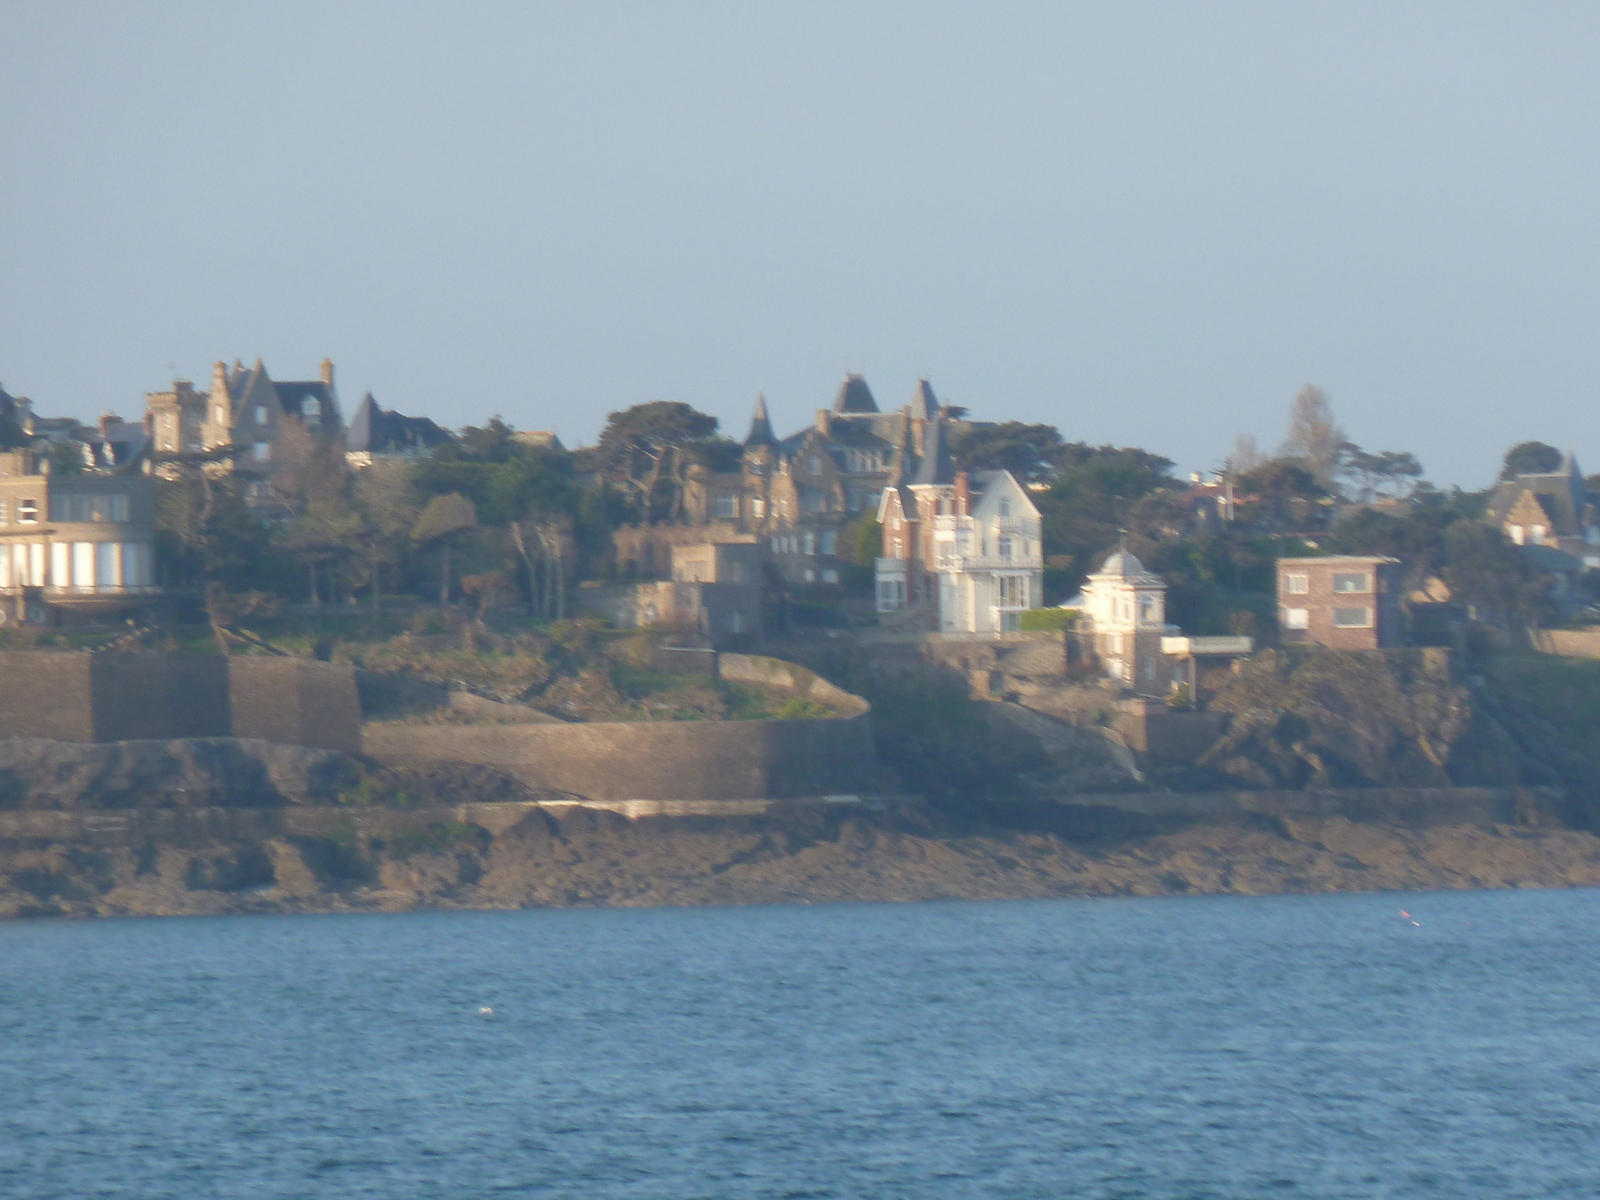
(118, 510)
(758, 508)
(221, 417)
(736, 622)
(810, 575)
(1149, 667)
(830, 539)
(726, 506)
(261, 414)
(776, 544)
(1005, 547)
(1536, 534)
(816, 464)
(1005, 506)
(5, 512)
(1013, 591)
(1297, 585)
(262, 451)
(310, 411)
(1297, 618)
(808, 543)
(1516, 533)
(1356, 581)
(891, 594)
(27, 512)
(1352, 618)
(829, 575)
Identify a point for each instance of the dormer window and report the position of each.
(310, 411)
(1005, 506)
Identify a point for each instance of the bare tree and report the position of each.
(1246, 455)
(1314, 434)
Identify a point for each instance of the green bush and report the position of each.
(1049, 620)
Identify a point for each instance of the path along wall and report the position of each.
(656, 760)
(78, 697)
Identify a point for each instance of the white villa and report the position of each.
(961, 550)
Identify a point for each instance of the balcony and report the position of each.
(988, 562)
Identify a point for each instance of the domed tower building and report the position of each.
(1125, 614)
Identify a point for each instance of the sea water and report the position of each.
(1439, 1045)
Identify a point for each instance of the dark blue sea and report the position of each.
(1329, 1046)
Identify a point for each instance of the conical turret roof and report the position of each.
(760, 426)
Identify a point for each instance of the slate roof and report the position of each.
(854, 396)
(924, 404)
(1562, 494)
(760, 426)
(937, 466)
(382, 430)
(294, 393)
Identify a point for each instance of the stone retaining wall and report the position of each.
(658, 760)
(112, 697)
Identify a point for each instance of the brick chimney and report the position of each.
(963, 494)
(327, 372)
(824, 422)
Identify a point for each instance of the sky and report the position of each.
(1146, 224)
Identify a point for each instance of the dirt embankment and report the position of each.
(802, 855)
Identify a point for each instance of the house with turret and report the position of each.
(794, 495)
(247, 423)
(962, 552)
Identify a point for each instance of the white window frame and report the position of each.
(1296, 585)
(1297, 618)
(1364, 623)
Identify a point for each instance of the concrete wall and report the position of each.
(75, 697)
(1571, 643)
(656, 760)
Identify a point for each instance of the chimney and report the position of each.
(219, 379)
(824, 422)
(327, 372)
(963, 494)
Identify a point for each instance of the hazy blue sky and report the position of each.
(1147, 224)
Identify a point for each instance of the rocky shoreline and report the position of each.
(573, 856)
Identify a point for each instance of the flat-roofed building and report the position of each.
(1343, 602)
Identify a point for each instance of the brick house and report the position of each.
(1343, 602)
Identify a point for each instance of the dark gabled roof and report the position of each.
(293, 394)
(937, 465)
(848, 433)
(854, 396)
(924, 404)
(760, 426)
(382, 430)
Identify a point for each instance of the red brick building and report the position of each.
(1344, 602)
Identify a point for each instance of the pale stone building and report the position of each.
(1124, 610)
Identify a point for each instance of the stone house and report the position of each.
(796, 494)
(714, 592)
(1553, 510)
(246, 417)
(962, 553)
(1343, 602)
(78, 543)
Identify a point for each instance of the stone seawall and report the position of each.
(113, 697)
(666, 760)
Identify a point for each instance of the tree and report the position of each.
(1246, 455)
(1386, 471)
(1530, 458)
(443, 519)
(1314, 434)
(1281, 495)
(386, 500)
(1029, 452)
(1090, 499)
(1484, 569)
(641, 453)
